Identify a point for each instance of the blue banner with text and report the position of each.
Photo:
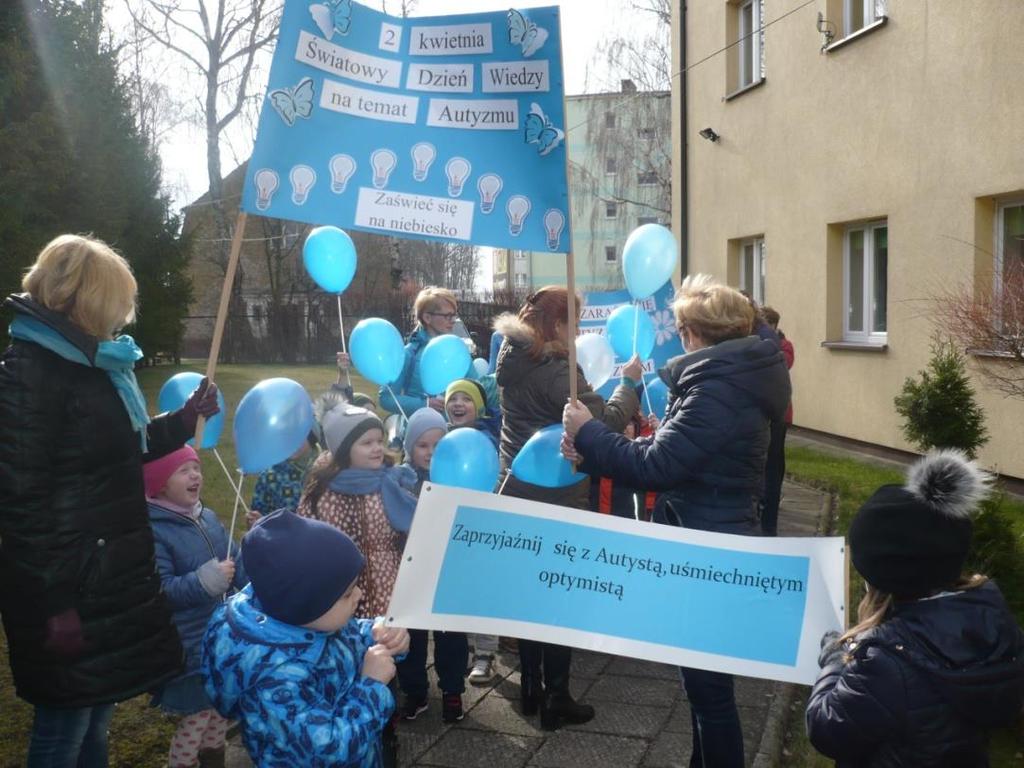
(442, 128)
(729, 602)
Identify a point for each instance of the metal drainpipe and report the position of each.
(683, 133)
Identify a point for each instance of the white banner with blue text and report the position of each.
(752, 606)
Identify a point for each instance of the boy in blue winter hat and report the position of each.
(285, 657)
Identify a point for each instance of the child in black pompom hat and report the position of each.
(937, 659)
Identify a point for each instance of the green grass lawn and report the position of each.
(853, 482)
(139, 734)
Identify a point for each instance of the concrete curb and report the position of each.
(769, 751)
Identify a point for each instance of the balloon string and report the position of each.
(231, 482)
(647, 396)
(234, 513)
(503, 482)
(636, 324)
(341, 325)
(397, 404)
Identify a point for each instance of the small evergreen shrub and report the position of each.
(938, 408)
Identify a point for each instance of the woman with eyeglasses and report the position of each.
(435, 311)
(706, 460)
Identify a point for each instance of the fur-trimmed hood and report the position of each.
(514, 358)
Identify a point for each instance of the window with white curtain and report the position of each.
(865, 282)
(858, 14)
(1009, 242)
(752, 267)
(750, 49)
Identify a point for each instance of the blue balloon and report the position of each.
(656, 396)
(271, 423)
(649, 259)
(444, 359)
(176, 391)
(620, 328)
(330, 258)
(540, 461)
(377, 350)
(465, 458)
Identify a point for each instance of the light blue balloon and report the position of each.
(649, 259)
(619, 328)
(465, 458)
(656, 394)
(176, 391)
(444, 359)
(330, 258)
(540, 461)
(271, 423)
(377, 350)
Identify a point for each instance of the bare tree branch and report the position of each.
(163, 39)
(987, 320)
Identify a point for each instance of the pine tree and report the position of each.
(74, 160)
(939, 409)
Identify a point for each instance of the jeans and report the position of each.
(774, 472)
(717, 736)
(70, 738)
(451, 656)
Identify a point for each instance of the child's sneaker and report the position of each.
(451, 707)
(413, 706)
(483, 670)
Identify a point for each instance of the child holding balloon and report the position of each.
(196, 571)
(352, 488)
(451, 649)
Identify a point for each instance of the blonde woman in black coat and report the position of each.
(85, 620)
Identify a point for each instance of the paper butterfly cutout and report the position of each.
(539, 130)
(332, 16)
(294, 102)
(525, 33)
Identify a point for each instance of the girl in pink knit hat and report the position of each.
(196, 571)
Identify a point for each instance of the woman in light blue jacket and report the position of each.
(435, 310)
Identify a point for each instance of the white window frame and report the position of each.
(750, 41)
(871, 11)
(754, 283)
(866, 335)
(615, 254)
(611, 209)
(614, 166)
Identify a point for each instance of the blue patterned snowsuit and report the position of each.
(298, 693)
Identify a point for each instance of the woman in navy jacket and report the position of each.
(706, 460)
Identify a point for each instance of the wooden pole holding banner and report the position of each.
(222, 311)
(570, 266)
(570, 280)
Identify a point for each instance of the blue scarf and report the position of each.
(116, 357)
(394, 484)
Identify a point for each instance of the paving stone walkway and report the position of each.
(642, 720)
